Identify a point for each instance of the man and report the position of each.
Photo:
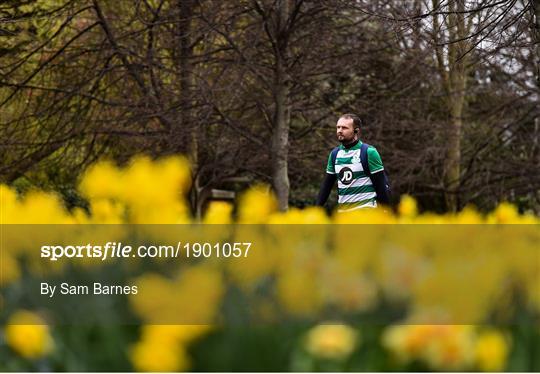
(356, 188)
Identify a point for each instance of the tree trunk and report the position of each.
(186, 137)
(458, 79)
(453, 72)
(185, 118)
(282, 114)
(453, 156)
(280, 140)
(536, 9)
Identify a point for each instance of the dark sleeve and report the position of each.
(380, 188)
(326, 188)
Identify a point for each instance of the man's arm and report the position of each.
(380, 188)
(326, 188)
(377, 175)
(329, 179)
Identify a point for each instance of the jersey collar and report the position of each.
(352, 145)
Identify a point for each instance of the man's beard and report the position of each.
(347, 142)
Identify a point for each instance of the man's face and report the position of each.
(345, 130)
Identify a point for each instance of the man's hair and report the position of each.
(357, 122)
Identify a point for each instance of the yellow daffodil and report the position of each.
(28, 335)
(491, 351)
(331, 341)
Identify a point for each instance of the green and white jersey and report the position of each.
(355, 189)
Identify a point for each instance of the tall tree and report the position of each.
(270, 48)
(536, 25)
(451, 44)
(280, 36)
